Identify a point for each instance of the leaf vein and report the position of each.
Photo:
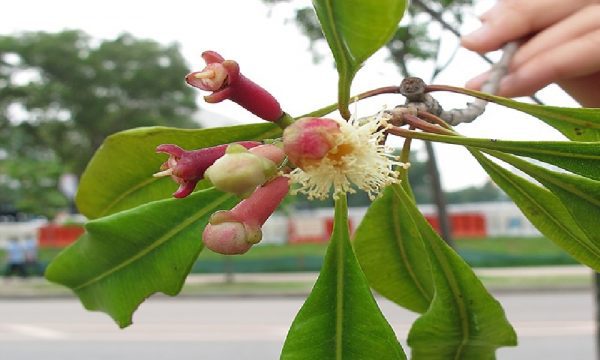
(160, 241)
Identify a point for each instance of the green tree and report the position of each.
(485, 192)
(62, 93)
(413, 39)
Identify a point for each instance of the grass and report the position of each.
(510, 245)
(503, 251)
(479, 252)
(240, 286)
(517, 246)
(273, 251)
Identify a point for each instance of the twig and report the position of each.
(414, 90)
(402, 116)
(433, 119)
(367, 94)
(425, 126)
(477, 107)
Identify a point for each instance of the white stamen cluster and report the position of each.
(358, 160)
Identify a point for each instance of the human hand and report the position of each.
(560, 43)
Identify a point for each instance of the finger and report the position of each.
(584, 21)
(574, 59)
(585, 89)
(478, 81)
(510, 20)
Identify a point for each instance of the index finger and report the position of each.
(511, 20)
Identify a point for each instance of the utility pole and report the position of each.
(438, 196)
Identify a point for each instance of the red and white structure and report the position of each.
(473, 220)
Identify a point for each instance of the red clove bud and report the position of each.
(188, 167)
(224, 79)
(235, 231)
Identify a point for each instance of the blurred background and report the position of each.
(72, 73)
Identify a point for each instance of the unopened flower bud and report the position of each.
(188, 167)
(227, 238)
(310, 139)
(223, 77)
(240, 171)
(235, 231)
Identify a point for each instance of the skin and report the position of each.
(560, 43)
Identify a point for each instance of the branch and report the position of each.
(477, 107)
(367, 94)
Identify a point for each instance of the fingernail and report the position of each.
(476, 82)
(477, 36)
(490, 12)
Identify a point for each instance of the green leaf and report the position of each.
(355, 29)
(579, 124)
(391, 252)
(119, 176)
(340, 319)
(582, 158)
(126, 257)
(545, 211)
(463, 321)
(581, 196)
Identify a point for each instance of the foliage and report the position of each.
(140, 243)
(155, 254)
(61, 94)
(340, 319)
(412, 42)
(354, 31)
(486, 192)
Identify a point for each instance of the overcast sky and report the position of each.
(272, 52)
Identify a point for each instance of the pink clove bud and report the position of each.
(227, 238)
(224, 79)
(310, 139)
(269, 151)
(235, 231)
(188, 167)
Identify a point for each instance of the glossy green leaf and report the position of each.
(578, 124)
(545, 211)
(581, 196)
(355, 29)
(582, 158)
(126, 257)
(119, 176)
(391, 252)
(340, 319)
(463, 321)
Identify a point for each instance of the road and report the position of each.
(551, 325)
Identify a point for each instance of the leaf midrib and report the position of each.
(456, 295)
(126, 193)
(400, 244)
(550, 116)
(535, 110)
(340, 243)
(450, 280)
(338, 43)
(557, 223)
(543, 174)
(502, 146)
(160, 241)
